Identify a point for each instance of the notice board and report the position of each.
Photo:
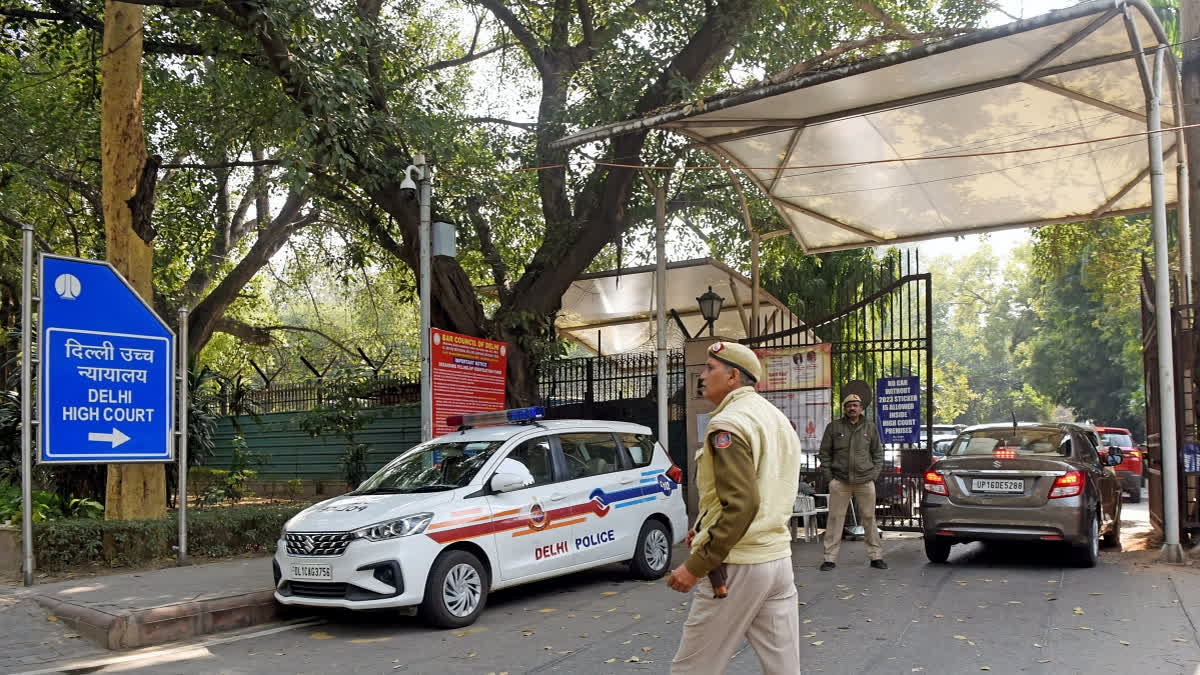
(468, 376)
(898, 409)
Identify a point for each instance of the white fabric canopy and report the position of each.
(613, 312)
(1063, 78)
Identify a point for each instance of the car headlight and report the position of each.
(400, 527)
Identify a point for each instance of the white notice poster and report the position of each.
(808, 411)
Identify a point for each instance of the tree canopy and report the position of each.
(276, 119)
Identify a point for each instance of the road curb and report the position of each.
(129, 629)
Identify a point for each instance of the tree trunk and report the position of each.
(1189, 31)
(134, 491)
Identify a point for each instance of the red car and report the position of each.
(1130, 468)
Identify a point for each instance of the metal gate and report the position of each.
(884, 330)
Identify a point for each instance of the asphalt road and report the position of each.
(1011, 609)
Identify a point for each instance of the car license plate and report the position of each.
(997, 485)
(312, 572)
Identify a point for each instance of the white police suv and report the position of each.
(484, 508)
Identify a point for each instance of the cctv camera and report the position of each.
(408, 183)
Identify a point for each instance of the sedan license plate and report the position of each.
(1006, 486)
(321, 572)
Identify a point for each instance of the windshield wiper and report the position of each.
(382, 491)
(436, 487)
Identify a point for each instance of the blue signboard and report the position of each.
(107, 371)
(898, 409)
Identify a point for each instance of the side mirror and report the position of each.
(1114, 456)
(507, 482)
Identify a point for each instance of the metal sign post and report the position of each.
(181, 489)
(26, 403)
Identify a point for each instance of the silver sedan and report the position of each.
(1027, 482)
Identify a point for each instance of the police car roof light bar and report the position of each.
(512, 416)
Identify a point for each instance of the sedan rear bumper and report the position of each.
(1058, 519)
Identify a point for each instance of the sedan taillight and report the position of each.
(1067, 485)
(935, 484)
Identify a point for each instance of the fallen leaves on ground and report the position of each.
(1078, 610)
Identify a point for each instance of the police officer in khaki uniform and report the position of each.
(851, 458)
(747, 473)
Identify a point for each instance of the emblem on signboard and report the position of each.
(67, 286)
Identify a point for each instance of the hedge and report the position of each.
(215, 532)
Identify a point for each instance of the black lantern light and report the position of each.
(710, 308)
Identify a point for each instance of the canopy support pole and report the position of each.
(1152, 80)
(660, 298)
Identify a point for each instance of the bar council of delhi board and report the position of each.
(468, 376)
(107, 369)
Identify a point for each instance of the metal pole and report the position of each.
(660, 302)
(1183, 215)
(424, 281)
(754, 281)
(26, 403)
(1172, 552)
(182, 416)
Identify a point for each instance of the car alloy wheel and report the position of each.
(656, 549)
(462, 590)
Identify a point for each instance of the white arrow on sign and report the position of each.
(116, 437)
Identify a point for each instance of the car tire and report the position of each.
(652, 556)
(1089, 554)
(937, 549)
(1135, 495)
(1113, 538)
(456, 590)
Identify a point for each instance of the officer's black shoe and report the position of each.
(879, 564)
(826, 566)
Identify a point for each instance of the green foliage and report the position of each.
(1086, 351)
(295, 487)
(45, 506)
(342, 413)
(982, 322)
(74, 543)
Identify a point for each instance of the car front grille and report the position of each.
(317, 543)
(317, 589)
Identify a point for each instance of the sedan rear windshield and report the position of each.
(1016, 443)
(1119, 440)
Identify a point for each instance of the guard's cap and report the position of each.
(851, 398)
(739, 355)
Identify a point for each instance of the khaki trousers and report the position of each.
(761, 608)
(839, 498)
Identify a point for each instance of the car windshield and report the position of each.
(1019, 442)
(944, 429)
(940, 447)
(1119, 440)
(431, 468)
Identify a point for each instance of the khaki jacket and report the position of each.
(851, 453)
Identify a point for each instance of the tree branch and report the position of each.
(261, 335)
(851, 45)
(469, 57)
(528, 126)
(222, 165)
(70, 14)
(519, 30)
(490, 254)
(875, 12)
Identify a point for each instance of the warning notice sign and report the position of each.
(468, 376)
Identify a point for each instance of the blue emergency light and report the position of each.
(512, 416)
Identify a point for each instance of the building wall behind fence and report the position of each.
(289, 452)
